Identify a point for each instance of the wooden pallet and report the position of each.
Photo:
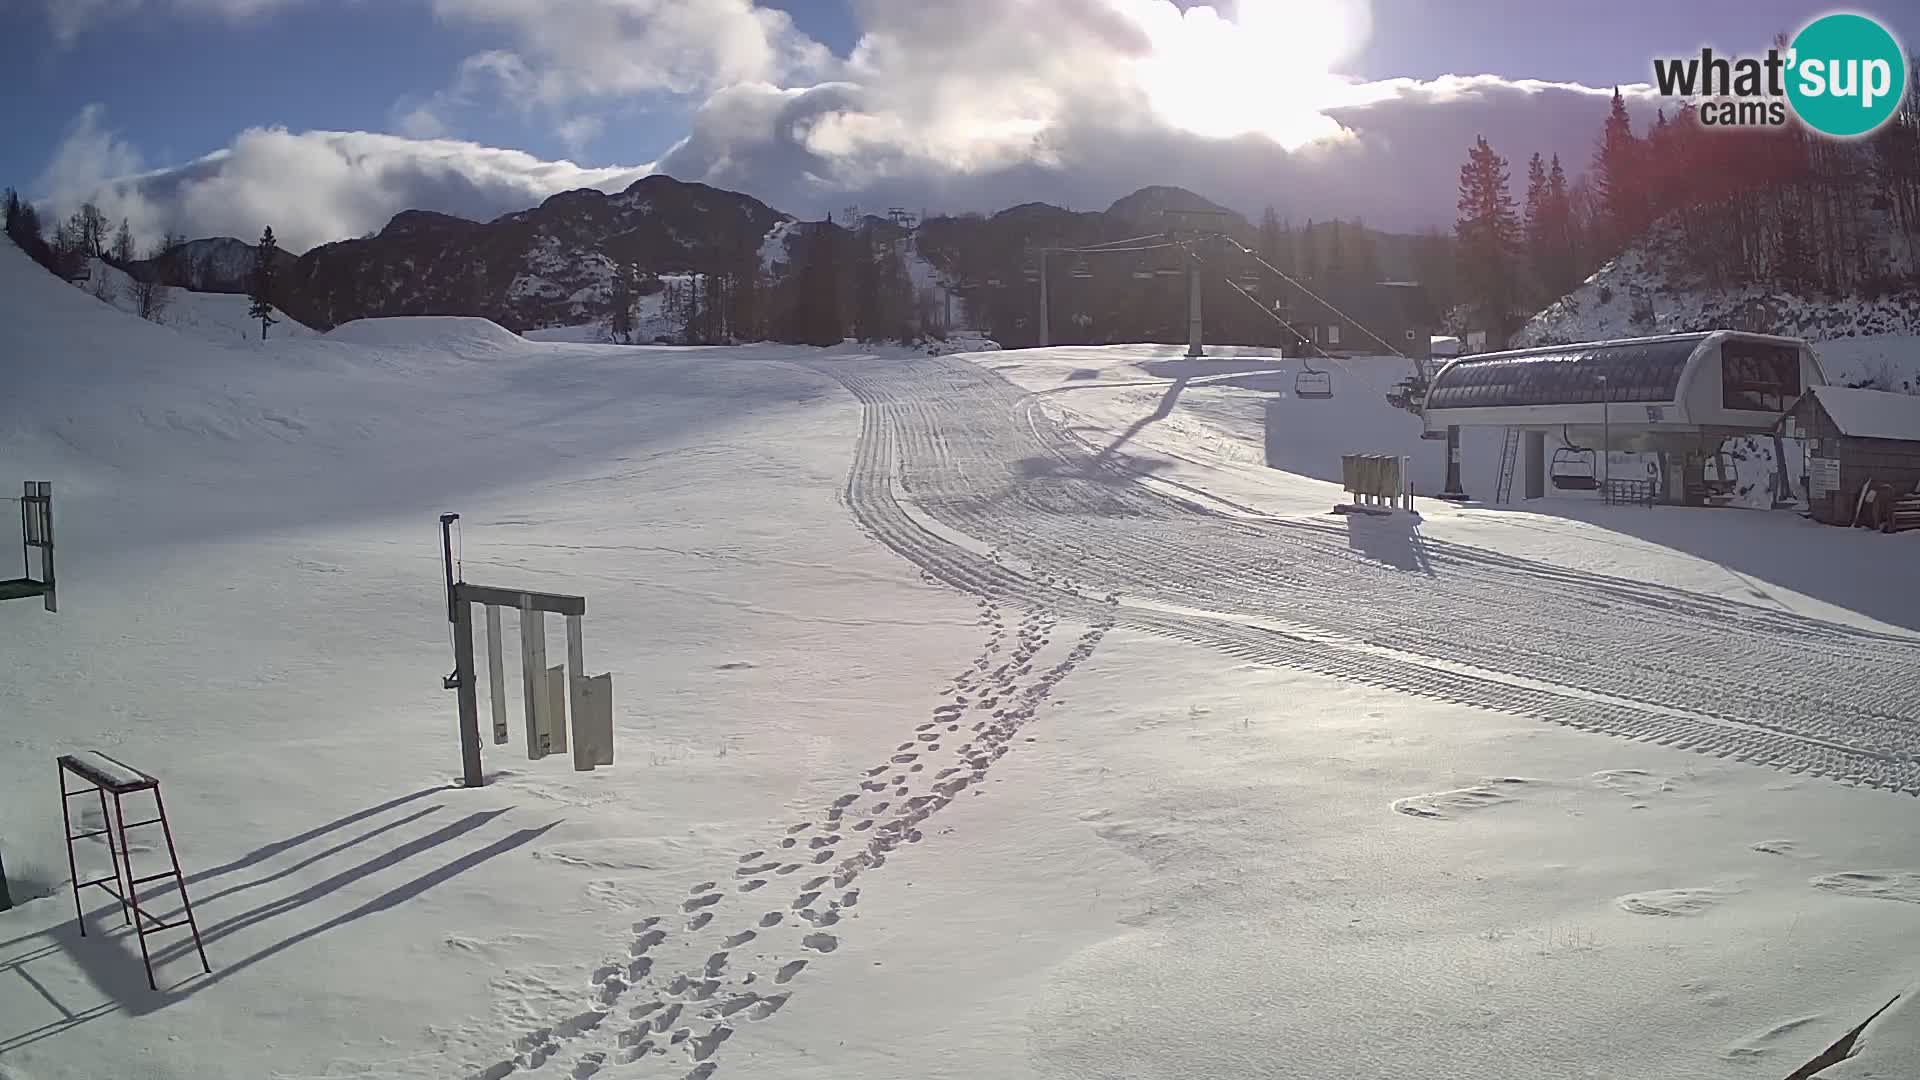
(1905, 515)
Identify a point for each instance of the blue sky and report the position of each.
(178, 79)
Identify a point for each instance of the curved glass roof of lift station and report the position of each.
(1645, 370)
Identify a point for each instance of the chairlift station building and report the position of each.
(1679, 396)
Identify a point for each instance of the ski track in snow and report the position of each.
(1009, 507)
(1604, 654)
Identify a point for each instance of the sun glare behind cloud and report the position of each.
(1266, 68)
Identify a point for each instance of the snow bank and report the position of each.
(427, 332)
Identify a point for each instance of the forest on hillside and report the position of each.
(1732, 207)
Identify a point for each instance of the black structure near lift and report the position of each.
(36, 531)
(1312, 384)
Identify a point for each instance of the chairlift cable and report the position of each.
(1128, 240)
(1304, 363)
(1288, 278)
(1106, 250)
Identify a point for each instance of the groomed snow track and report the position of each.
(961, 473)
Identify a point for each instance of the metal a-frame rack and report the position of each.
(102, 775)
(36, 531)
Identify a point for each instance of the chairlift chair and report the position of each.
(1143, 274)
(1082, 270)
(1719, 477)
(1250, 282)
(1573, 470)
(1312, 384)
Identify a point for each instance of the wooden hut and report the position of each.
(1863, 454)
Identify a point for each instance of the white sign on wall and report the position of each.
(1823, 476)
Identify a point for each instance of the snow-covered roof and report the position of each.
(1870, 414)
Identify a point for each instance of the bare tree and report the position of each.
(89, 227)
(150, 297)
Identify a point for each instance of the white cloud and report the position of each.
(976, 104)
(575, 134)
(71, 18)
(89, 157)
(489, 78)
(943, 104)
(312, 187)
(602, 48)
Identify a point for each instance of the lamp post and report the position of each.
(1196, 334)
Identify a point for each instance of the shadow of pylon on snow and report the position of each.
(1841, 1050)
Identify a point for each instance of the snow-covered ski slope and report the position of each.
(213, 316)
(958, 736)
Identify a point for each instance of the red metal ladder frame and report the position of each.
(123, 885)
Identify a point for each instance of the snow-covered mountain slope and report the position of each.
(652, 324)
(548, 265)
(211, 264)
(210, 315)
(1634, 295)
(980, 716)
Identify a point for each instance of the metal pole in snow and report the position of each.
(471, 774)
(1046, 327)
(1196, 333)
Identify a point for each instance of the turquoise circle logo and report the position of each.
(1846, 75)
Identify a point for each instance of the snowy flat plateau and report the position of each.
(1006, 714)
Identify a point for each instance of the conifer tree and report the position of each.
(1488, 232)
(1536, 219)
(123, 244)
(1617, 177)
(1363, 257)
(265, 292)
(620, 304)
